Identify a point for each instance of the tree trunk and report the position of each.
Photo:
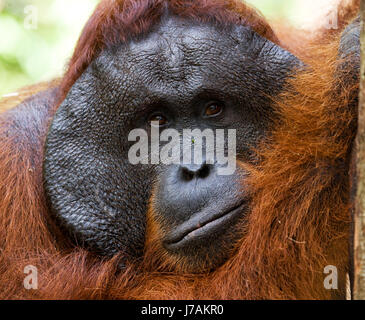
(359, 219)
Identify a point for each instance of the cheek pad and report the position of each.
(92, 190)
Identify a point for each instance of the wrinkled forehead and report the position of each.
(177, 44)
(179, 58)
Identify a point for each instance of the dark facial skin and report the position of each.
(175, 72)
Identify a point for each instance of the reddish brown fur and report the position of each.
(22, 94)
(298, 224)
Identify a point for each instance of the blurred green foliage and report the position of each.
(38, 36)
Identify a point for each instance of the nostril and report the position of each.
(204, 171)
(186, 174)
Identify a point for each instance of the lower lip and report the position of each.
(217, 226)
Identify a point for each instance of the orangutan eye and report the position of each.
(213, 109)
(159, 119)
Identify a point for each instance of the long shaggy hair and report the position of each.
(299, 221)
